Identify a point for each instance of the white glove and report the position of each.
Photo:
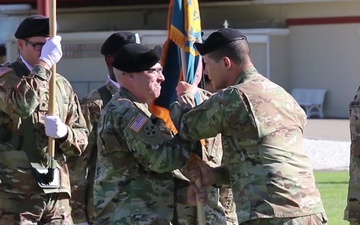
(54, 127)
(51, 52)
(83, 223)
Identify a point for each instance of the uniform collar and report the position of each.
(116, 84)
(111, 86)
(26, 64)
(245, 73)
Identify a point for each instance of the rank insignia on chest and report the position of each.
(138, 123)
(150, 130)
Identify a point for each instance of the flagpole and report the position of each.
(199, 207)
(51, 111)
(183, 64)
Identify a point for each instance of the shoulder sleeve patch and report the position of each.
(4, 70)
(138, 123)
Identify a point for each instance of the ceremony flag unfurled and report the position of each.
(180, 60)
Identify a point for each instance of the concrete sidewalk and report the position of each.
(327, 143)
(328, 129)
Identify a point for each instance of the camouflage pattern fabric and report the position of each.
(25, 209)
(27, 96)
(136, 156)
(82, 168)
(221, 208)
(314, 219)
(352, 211)
(262, 138)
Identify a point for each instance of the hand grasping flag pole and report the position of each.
(180, 61)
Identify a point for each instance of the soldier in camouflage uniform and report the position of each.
(352, 211)
(83, 168)
(262, 137)
(25, 198)
(137, 153)
(220, 208)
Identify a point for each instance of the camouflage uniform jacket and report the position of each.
(24, 97)
(82, 168)
(262, 137)
(220, 208)
(136, 155)
(352, 211)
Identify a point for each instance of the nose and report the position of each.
(161, 77)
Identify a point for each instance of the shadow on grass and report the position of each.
(333, 182)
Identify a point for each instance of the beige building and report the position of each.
(296, 43)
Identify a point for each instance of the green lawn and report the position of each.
(333, 187)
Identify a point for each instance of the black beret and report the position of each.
(219, 39)
(33, 26)
(134, 58)
(117, 40)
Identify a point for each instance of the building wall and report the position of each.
(326, 56)
(279, 60)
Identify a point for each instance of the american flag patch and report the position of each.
(4, 70)
(138, 123)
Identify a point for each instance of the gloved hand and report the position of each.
(54, 127)
(51, 52)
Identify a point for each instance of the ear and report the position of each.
(227, 63)
(109, 60)
(130, 75)
(20, 44)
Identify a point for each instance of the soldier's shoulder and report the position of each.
(356, 97)
(62, 79)
(64, 85)
(122, 108)
(92, 97)
(121, 104)
(232, 93)
(5, 69)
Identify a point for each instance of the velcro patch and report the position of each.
(4, 70)
(150, 131)
(138, 123)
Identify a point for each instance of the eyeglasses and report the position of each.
(37, 45)
(155, 70)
